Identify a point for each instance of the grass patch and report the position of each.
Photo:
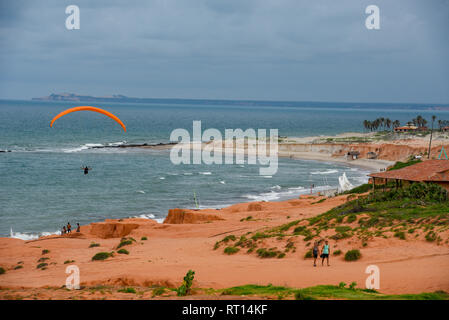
(352, 255)
(123, 251)
(93, 245)
(144, 238)
(101, 256)
(158, 291)
(127, 290)
(268, 253)
(125, 242)
(45, 251)
(337, 252)
(327, 292)
(231, 250)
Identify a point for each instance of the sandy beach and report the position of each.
(186, 241)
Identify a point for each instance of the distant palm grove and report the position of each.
(383, 124)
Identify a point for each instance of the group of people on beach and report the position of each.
(68, 229)
(323, 253)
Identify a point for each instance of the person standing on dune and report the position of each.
(325, 253)
(315, 252)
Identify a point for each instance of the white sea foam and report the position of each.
(145, 216)
(30, 236)
(83, 147)
(330, 171)
(162, 178)
(140, 191)
(222, 182)
(206, 173)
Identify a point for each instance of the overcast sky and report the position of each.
(315, 50)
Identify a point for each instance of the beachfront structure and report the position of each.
(435, 171)
(352, 155)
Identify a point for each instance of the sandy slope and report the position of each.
(410, 266)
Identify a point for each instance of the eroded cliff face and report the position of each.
(179, 216)
(384, 151)
(112, 229)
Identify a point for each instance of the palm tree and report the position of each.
(431, 132)
(396, 123)
(388, 123)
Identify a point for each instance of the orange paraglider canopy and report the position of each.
(88, 108)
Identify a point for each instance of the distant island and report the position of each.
(119, 98)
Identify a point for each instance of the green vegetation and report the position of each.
(268, 253)
(231, 250)
(337, 252)
(144, 238)
(93, 245)
(352, 255)
(69, 261)
(18, 267)
(102, 256)
(400, 235)
(127, 290)
(123, 251)
(248, 218)
(400, 165)
(186, 286)
(42, 259)
(42, 265)
(319, 201)
(2, 270)
(421, 209)
(327, 292)
(45, 251)
(308, 254)
(125, 242)
(158, 291)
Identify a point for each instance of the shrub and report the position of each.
(281, 255)
(101, 256)
(342, 228)
(158, 291)
(337, 252)
(185, 287)
(400, 235)
(300, 295)
(2, 270)
(18, 267)
(267, 253)
(230, 237)
(42, 259)
(352, 285)
(125, 242)
(351, 218)
(144, 238)
(308, 254)
(231, 250)
(123, 251)
(93, 245)
(352, 255)
(431, 236)
(127, 290)
(68, 261)
(341, 285)
(45, 251)
(42, 265)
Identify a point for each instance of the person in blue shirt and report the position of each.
(325, 253)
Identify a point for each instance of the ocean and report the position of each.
(42, 186)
